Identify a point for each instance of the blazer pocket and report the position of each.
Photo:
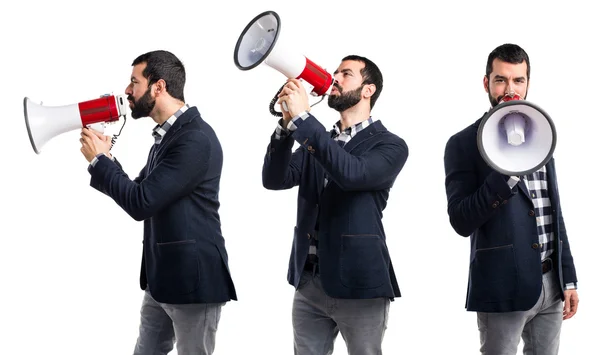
(494, 276)
(177, 267)
(363, 261)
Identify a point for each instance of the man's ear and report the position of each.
(160, 87)
(368, 90)
(486, 84)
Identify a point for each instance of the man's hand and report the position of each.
(94, 143)
(571, 303)
(295, 97)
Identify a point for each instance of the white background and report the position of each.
(70, 257)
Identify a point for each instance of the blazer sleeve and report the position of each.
(95, 184)
(470, 204)
(568, 266)
(375, 170)
(281, 169)
(184, 164)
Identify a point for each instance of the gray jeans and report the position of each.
(193, 327)
(540, 326)
(318, 318)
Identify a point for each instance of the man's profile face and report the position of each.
(348, 85)
(139, 94)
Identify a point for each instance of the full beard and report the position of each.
(344, 100)
(143, 106)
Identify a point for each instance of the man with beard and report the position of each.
(521, 267)
(340, 264)
(185, 272)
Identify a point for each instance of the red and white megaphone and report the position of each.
(260, 42)
(46, 122)
(516, 137)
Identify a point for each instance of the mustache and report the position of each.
(130, 98)
(337, 86)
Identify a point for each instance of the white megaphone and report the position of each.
(516, 138)
(46, 122)
(260, 42)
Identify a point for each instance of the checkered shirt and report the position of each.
(537, 185)
(160, 130)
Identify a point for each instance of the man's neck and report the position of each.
(165, 111)
(353, 115)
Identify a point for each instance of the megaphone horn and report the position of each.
(516, 138)
(45, 122)
(260, 42)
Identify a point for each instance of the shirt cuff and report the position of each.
(95, 160)
(512, 181)
(280, 132)
(297, 120)
(571, 286)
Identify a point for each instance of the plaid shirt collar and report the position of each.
(351, 131)
(160, 130)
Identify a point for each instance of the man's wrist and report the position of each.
(95, 159)
(293, 123)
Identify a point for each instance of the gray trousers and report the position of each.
(193, 327)
(317, 319)
(539, 327)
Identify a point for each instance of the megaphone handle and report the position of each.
(99, 126)
(274, 101)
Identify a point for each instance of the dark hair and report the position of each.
(164, 65)
(371, 75)
(510, 53)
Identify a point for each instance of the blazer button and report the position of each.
(535, 245)
(532, 213)
(495, 204)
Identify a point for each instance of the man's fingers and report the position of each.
(97, 134)
(570, 307)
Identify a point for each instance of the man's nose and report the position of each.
(510, 91)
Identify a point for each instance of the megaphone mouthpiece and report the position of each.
(515, 125)
(516, 138)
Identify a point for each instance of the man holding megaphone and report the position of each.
(340, 264)
(502, 192)
(185, 271)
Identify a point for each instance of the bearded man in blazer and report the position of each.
(185, 272)
(521, 268)
(339, 263)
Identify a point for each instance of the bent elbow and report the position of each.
(139, 216)
(270, 184)
(459, 226)
(141, 213)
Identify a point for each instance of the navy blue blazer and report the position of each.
(505, 262)
(176, 195)
(354, 261)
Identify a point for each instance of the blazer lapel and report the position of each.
(363, 135)
(551, 180)
(524, 188)
(360, 137)
(184, 119)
